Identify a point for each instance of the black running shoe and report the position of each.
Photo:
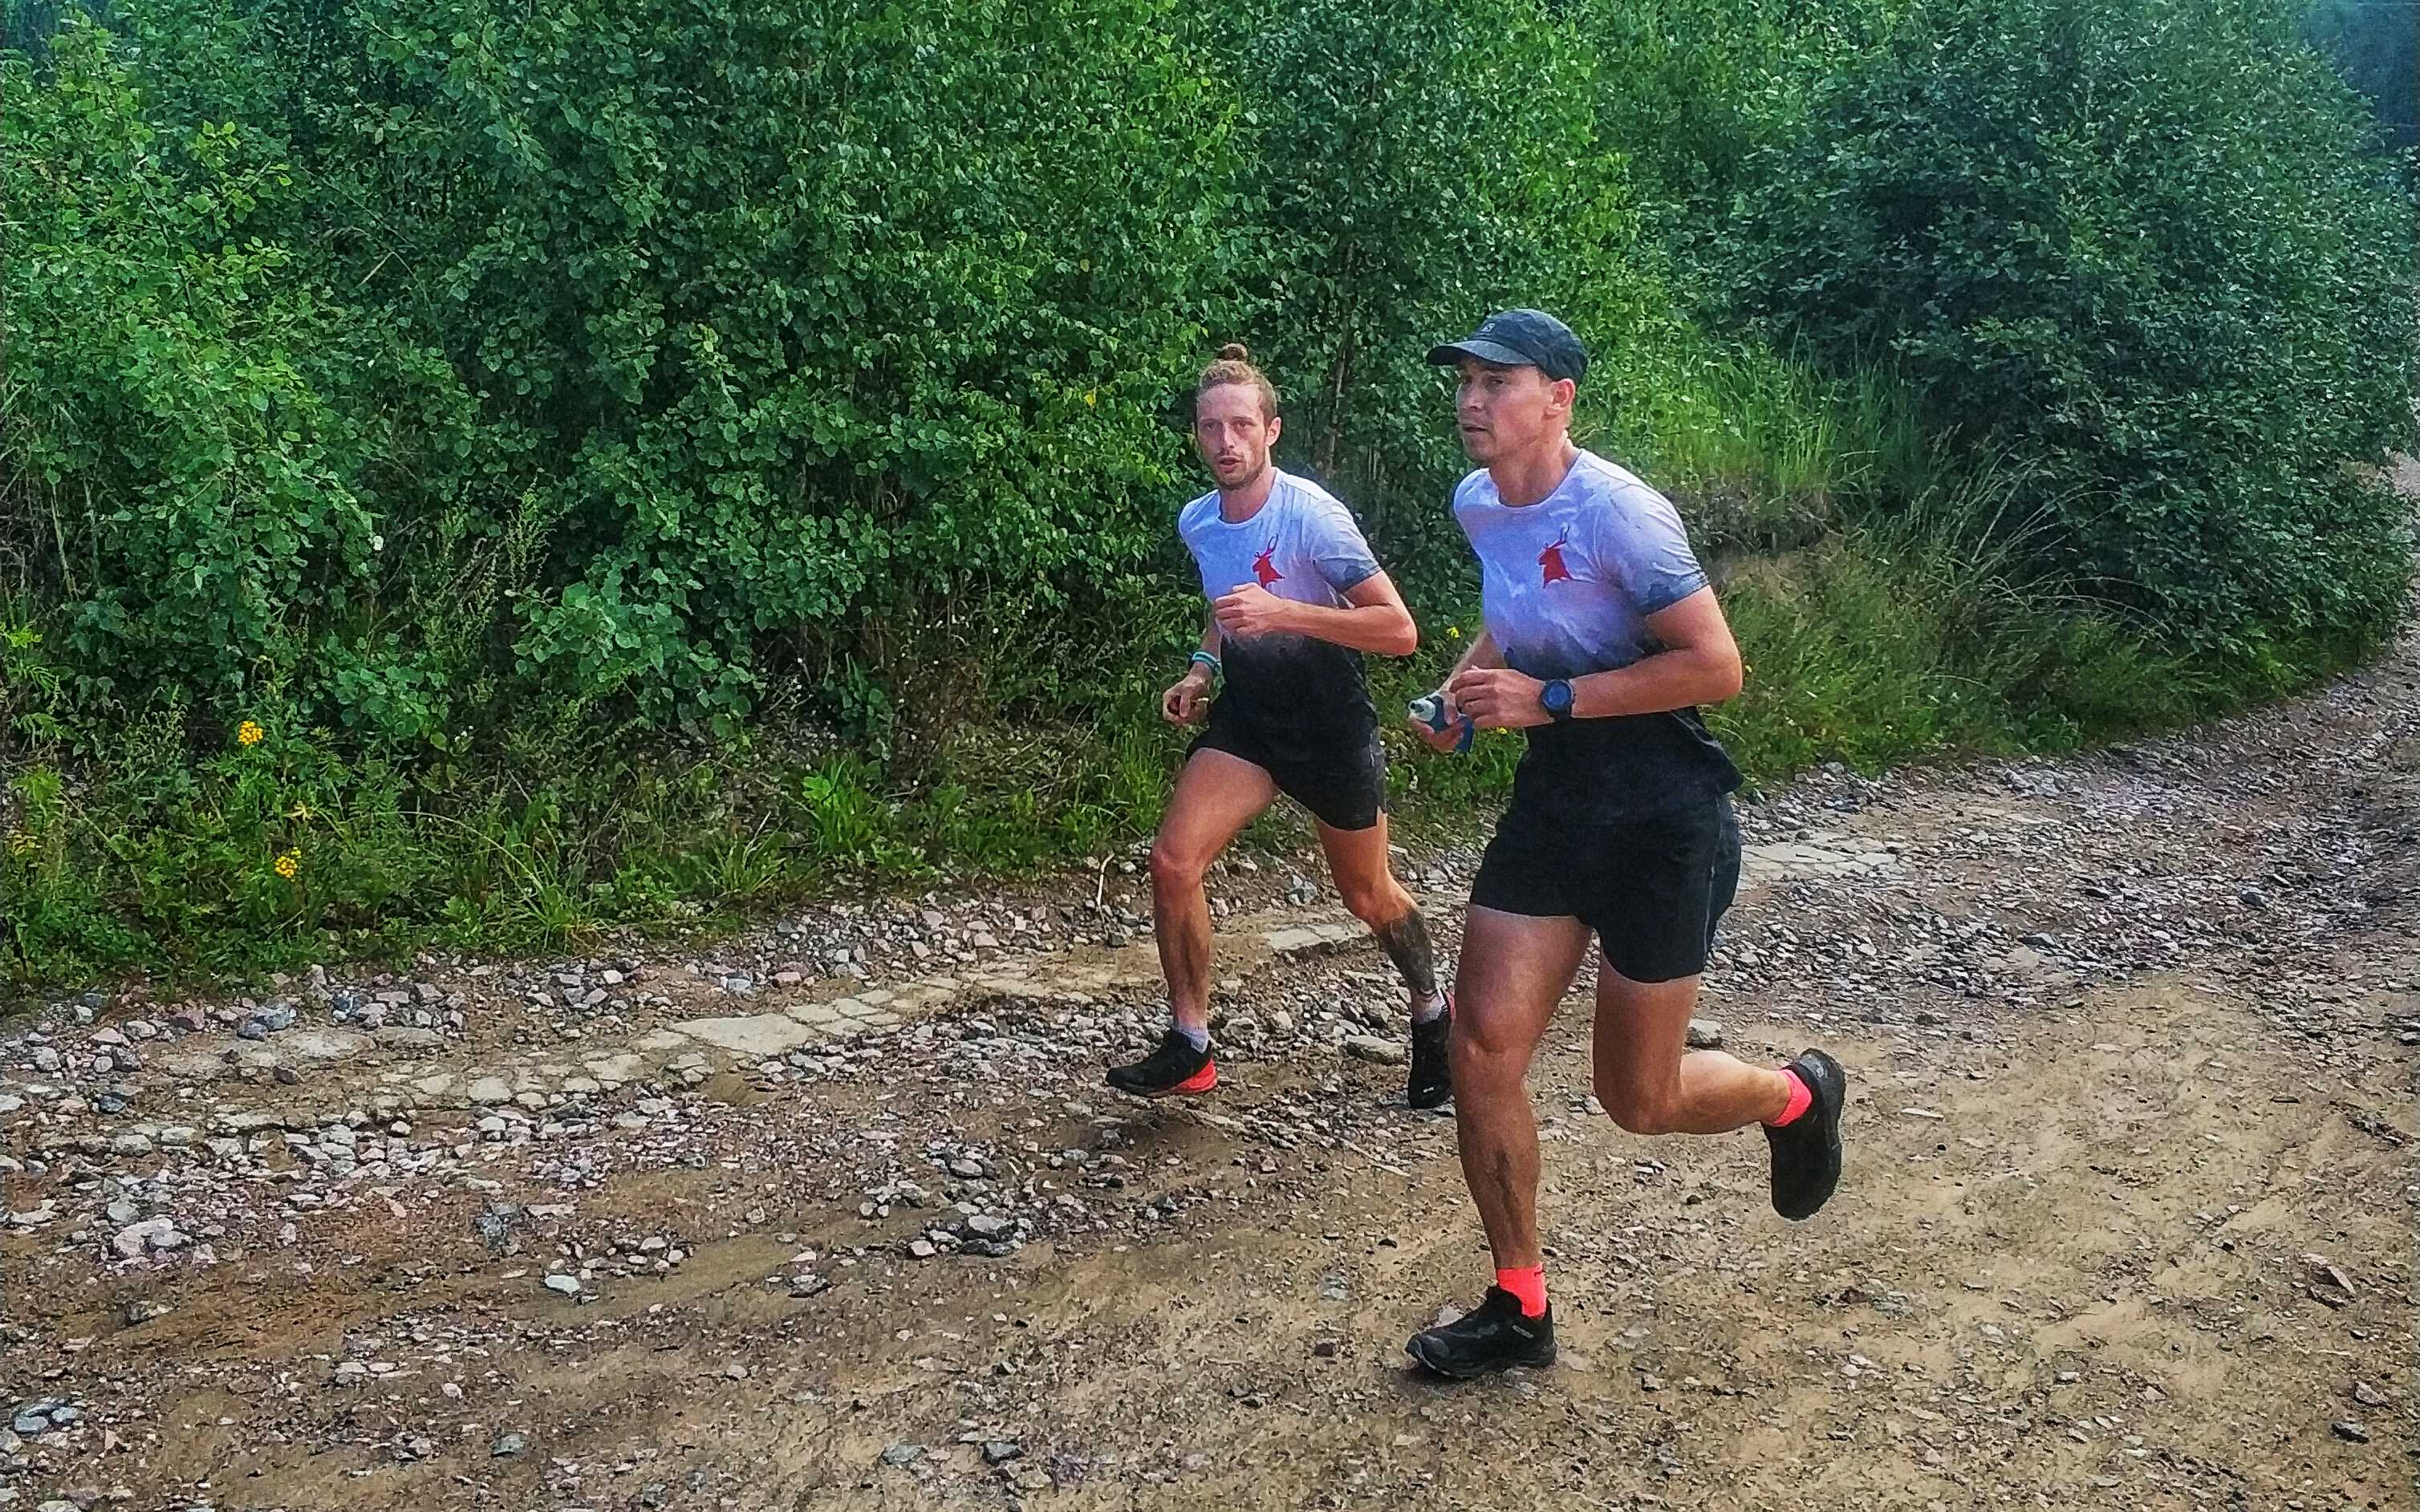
(1430, 1083)
(1495, 1336)
(1806, 1153)
(1173, 1070)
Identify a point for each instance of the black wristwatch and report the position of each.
(1556, 699)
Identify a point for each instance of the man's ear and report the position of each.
(1277, 423)
(1566, 394)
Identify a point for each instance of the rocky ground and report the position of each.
(841, 1215)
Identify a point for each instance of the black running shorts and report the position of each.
(1343, 785)
(1652, 887)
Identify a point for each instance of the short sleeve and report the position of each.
(1190, 521)
(1641, 539)
(1336, 543)
(1466, 500)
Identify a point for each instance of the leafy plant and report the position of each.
(2137, 244)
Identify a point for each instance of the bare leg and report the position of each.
(1357, 860)
(1651, 1087)
(1216, 796)
(1514, 970)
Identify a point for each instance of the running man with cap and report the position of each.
(1294, 597)
(1602, 639)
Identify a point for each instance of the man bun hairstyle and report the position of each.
(1234, 365)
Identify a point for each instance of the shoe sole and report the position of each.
(1474, 1372)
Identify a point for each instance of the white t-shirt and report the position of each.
(1304, 698)
(1568, 583)
(1566, 586)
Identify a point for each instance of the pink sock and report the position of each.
(1528, 1283)
(1802, 1097)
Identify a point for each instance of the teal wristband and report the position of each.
(1203, 659)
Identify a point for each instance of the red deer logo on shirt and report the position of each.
(1550, 561)
(1262, 571)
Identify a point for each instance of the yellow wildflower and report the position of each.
(289, 864)
(248, 734)
(1093, 397)
(1453, 631)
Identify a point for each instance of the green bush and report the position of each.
(810, 357)
(189, 490)
(681, 352)
(655, 361)
(2136, 243)
(1692, 89)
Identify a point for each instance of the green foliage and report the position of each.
(1765, 454)
(2135, 241)
(286, 851)
(671, 339)
(31, 686)
(638, 462)
(2377, 45)
(1692, 89)
(1916, 632)
(430, 366)
(158, 436)
(803, 352)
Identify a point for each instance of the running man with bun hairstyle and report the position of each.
(1295, 598)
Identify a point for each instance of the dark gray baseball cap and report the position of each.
(1520, 338)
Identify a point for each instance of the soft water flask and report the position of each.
(1430, 709)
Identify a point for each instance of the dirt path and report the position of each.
(2128, 1224)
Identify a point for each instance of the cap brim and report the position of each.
(1486, 351)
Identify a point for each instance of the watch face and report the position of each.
(1557, 697)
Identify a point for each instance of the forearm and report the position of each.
(1677, 679)
(1382, 629)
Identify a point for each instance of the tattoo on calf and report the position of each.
(1406, 943)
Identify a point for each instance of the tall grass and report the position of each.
(1766, 455)
(1914, 630)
